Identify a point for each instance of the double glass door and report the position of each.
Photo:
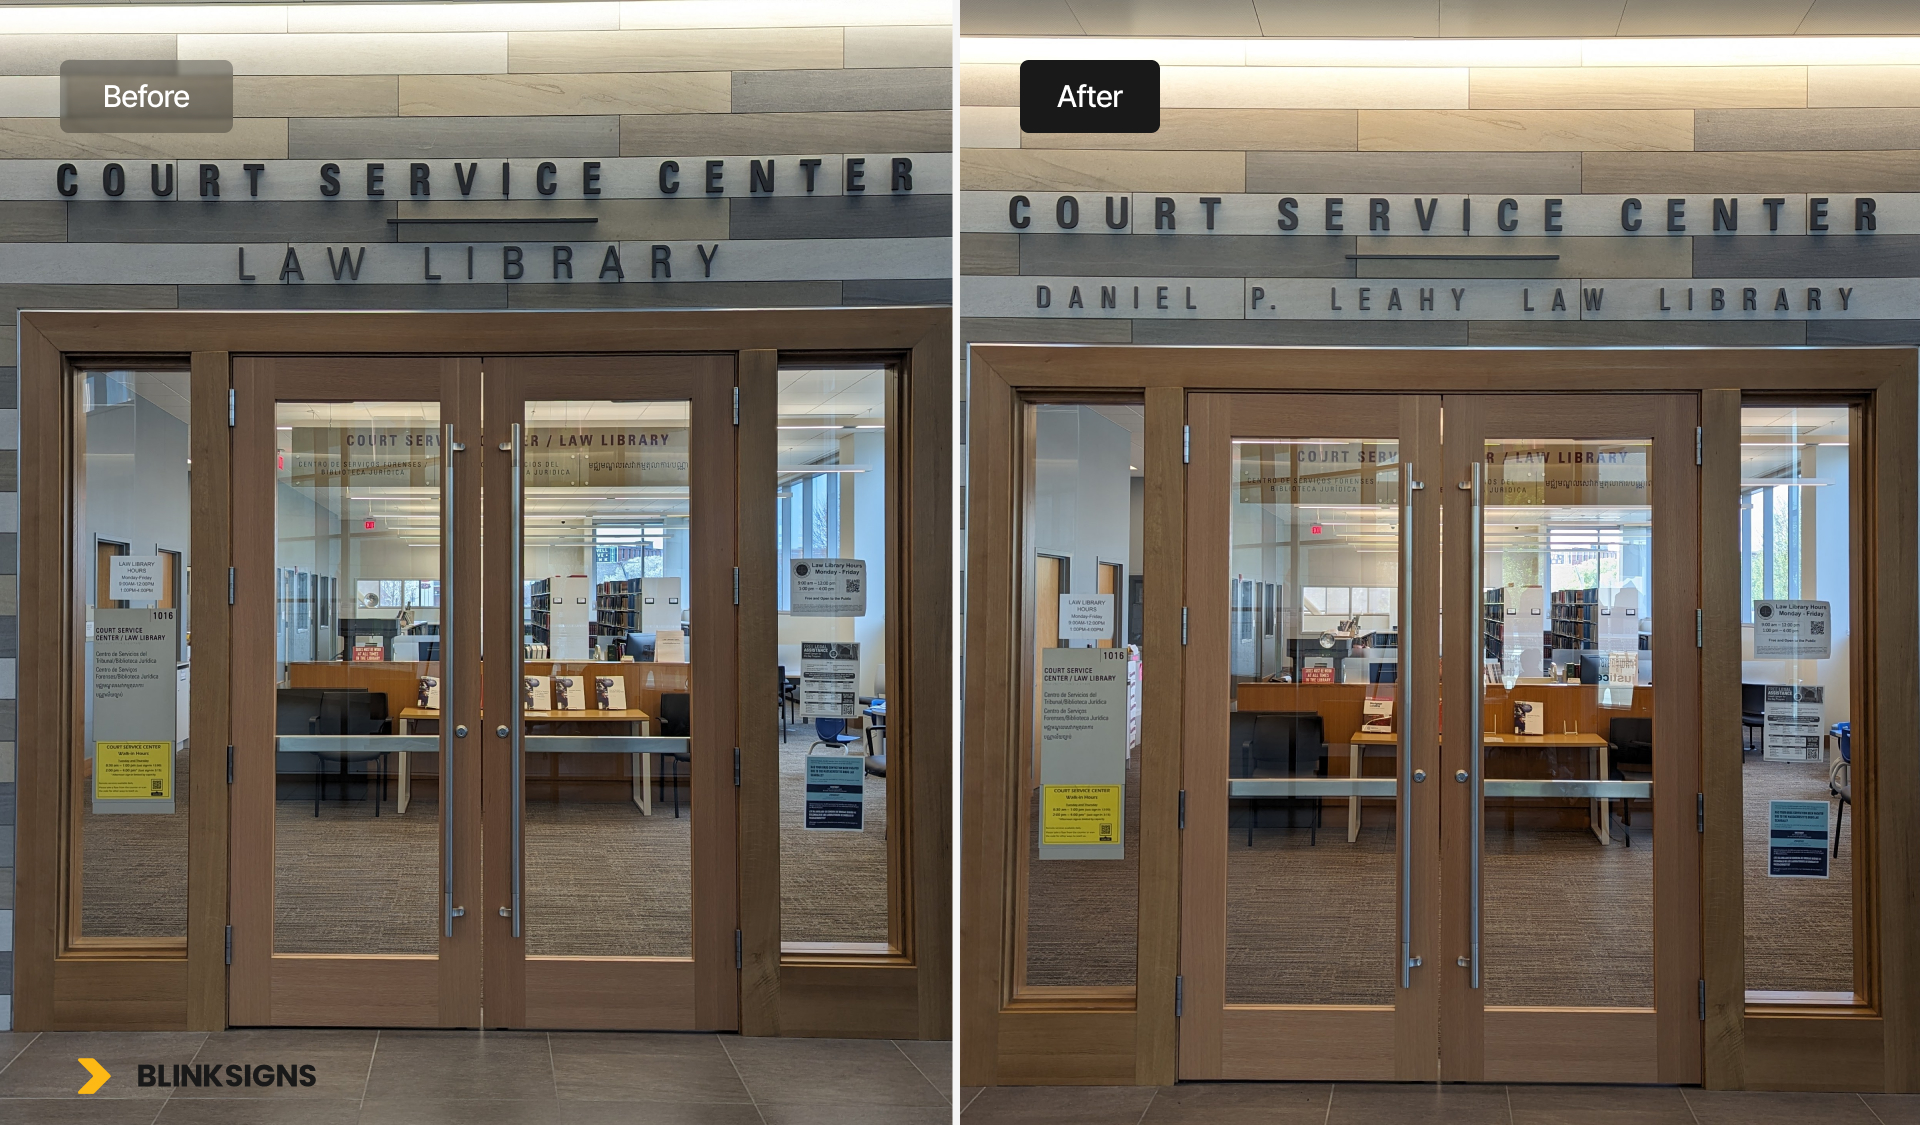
(483, 696)
(1441, 739)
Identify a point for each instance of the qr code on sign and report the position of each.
(853, 585)
(157, 787)
(1106, 833)
(1817, 628)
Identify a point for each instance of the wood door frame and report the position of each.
(700, 992)
(1351, 1042)
(1071, 1040)
(354, 990)
(164, 986)
(1661, 1044)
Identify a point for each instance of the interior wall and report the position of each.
(1082, 492)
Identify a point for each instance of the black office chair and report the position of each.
(676, 722)
(350, 711)
(1240, 726)
(1629, 744)
(1280, 740)
(780, 682)
(1753, 714)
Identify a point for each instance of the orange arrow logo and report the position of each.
(99, 1078)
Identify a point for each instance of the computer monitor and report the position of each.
(1593, 667)
(640, 646)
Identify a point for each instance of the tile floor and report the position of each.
(1289, 1103)
(492, 1078)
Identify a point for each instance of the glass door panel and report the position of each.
(610, 730)
(1575, 512)
(1304, 724)
(355, 625)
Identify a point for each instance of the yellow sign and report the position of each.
(133, 771)
(1080, 814)
(99, 1078)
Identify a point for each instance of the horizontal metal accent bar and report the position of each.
(1616, 789)
(604, 744)
(494, 220)
(1313, 787)
(357, 743)
(1443, 258)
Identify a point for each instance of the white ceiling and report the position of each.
(1479, 19)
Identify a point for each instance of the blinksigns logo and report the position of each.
(177, 1075)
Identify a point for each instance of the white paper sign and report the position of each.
(1794, 723)
(828, 587)
(829, 679)
(670, 647)
(1086, 617)
(135, 709)
(1083, 753)
(134, 578)
(1792, 630)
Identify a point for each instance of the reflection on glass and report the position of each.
(1314, 627)
(1797, 544)
(133, 489)
(1082, 593)
(830, 499)
(357, 659)
(1568, 694)
(605, 625)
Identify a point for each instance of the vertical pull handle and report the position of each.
(447, 690)
(518, 650)
(1476, 712)
(1404, 689)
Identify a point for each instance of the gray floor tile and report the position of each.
(461, 1064)
(830, 1071)
(1599, 1105)
(48, 1067)
(340, 1060)
(855, 1114)
(548, 1112)
(259, 1111)
(1746, 1107)
(1894, 1109)
(934, 1057)
(77, 1111)
(1421, 1104)
(12, 1043)
(616, 1066)
(967, 1094)
(1059, 1105)
(1240, 1103)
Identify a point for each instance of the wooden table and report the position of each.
(1598, 808)
(638, 721)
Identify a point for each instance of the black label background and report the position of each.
(1042, 79)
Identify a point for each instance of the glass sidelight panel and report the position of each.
(357, 612)
(133, 498)
(605, 561)
(1081, 757)
(1314, 602)
(1567, 721)
(834, 537)
(1798, 560)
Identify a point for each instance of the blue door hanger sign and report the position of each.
(1797, 839)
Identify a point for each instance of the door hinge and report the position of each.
(736, 585)
(1183, 624)
(229, 763)
(229, 585)
(1699, 628)
(736, 767)
(233, 407)
(1183, 810)
(1699, 812)
(1186, 444)
(1699, 442)
(1179, 997)
(229, 945)
(1703, 1000)
(736, 406)
(737, 950)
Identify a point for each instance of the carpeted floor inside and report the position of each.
(602, 880)
(1083, 914)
